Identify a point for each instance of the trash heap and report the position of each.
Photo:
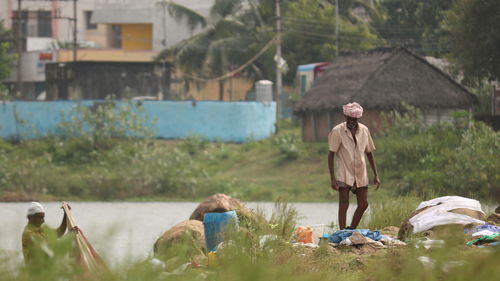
(205, 232)
(453, 211)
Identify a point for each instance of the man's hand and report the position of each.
(335, 185)
(376, 182)
(64, 203)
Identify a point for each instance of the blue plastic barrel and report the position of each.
(215, 225)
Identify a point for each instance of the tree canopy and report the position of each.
(474, 27)
(414, 24)
(5, 58)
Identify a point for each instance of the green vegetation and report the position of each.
(475, 37)
(263, 252)
(455, 158)
(5, 58)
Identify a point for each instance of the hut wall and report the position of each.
(308, 127)
(373, 120)
(322, 126)
(316, 126)
(432, 116)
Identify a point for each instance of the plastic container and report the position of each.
(215, 224)
(304, 234)
(264, 90)
(212, 259)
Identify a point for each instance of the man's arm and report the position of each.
(334, 184)
(371, 159)
(62, 228)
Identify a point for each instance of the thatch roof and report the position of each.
(384, 78)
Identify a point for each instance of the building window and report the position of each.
(88, 18)
(44, 24)
(34, 23)
(116, 36)
(22, 21)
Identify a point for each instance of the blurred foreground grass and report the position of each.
(263, 252)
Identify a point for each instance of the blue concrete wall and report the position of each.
(218, 121)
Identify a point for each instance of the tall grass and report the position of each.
(390, 212)
(247, 256)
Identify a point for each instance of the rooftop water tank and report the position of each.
(264, 90)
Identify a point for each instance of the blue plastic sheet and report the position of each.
(341, 235)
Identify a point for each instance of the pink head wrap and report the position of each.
(353, 110)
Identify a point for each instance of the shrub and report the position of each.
(98, 124)
(288, 145)
(193, 144)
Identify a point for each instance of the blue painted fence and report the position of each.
(216, 121)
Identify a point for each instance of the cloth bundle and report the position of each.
(341, 235)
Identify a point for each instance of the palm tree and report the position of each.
(221, 44)
(349, 8)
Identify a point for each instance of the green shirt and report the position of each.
(33, 238)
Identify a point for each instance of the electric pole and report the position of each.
(75, 41)
(337, 47)
(19, 49)
(279, 83)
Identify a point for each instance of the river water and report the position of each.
(126, 231)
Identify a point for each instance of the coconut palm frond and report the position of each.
(179, 12)
(181, 46)
(229, 27)
(224, 8)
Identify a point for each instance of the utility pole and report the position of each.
(19, 49)
(75, 41)
(337, 47)
(279, 83)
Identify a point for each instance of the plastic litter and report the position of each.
(484, 229)
(307, 245)
(431, 264)
(212, 259)
(429, 243)
(304, 234)
(496, 244)
(483, 239)
(391, 241)
(158, 264)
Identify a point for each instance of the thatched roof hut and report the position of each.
(380, 80)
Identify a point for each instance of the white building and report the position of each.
(107, 30)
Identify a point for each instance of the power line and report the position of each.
(239, 69)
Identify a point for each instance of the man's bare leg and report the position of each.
(343, 206)
(362, 198)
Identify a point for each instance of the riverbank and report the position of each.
(422, 162)
(251, 257)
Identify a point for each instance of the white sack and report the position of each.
(439, 213)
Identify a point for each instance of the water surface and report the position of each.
(124, 231)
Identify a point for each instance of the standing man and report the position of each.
(348, 143)
(35, 235)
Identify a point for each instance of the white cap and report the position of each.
(35, 208)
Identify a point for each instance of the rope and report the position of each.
(229, 74)
(89, 258)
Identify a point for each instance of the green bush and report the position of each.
(98, 124)
(288, 144)
(193, 144)
(450, 158)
